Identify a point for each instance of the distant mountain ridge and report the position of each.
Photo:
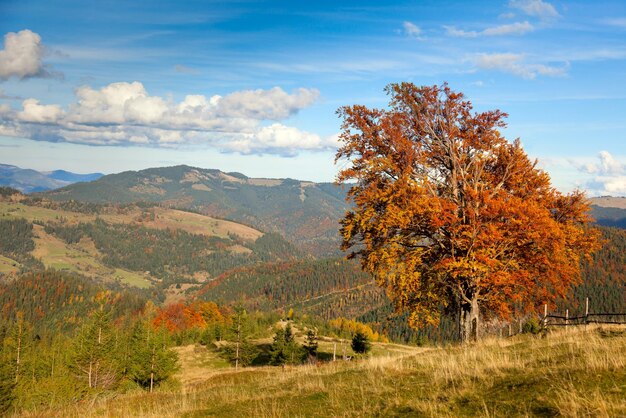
(30, 181)
(609, 211)
(306, 213)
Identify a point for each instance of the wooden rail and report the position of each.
(587, 318)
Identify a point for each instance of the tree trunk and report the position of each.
(238, 339)
(19, 347)
(152, 361)
(469, 320)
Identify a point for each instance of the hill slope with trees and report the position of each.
(306, 212)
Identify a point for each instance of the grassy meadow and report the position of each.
(578, 373)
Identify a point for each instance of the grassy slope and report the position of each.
(579, 373)
(165, 218)
(8, 265)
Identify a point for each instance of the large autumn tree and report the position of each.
(449, 216)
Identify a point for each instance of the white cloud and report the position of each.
(536, 8)
(452, 31)
(411, 30)
(37, 113)
(280, 139)
(274, 104)
(609, 175)
(607, 165)
(22, 56)
(516, 64)
(517, 28)
(126, 114)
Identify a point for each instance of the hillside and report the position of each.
(306, 212)
(29, 181)
(573, 374)
(327, 288)
(609, 211)
(55, 302)
(609, 202)
(335, 287)
(140, 246)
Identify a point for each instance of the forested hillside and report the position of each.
(54, 301)
(609, 216)
(328, 288)
(305, 212)
(138, 245)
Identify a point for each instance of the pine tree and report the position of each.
(240, 332)
(151, 360)
(360, 343)
(310, 344)
(93, 354)
(18, 343)
(7, 386)
(285, 349)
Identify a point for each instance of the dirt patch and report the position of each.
(265, 182)
(232, 179)
(193, 176)
(201, 187)
(609, 202)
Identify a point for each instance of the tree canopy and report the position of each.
(450, 216)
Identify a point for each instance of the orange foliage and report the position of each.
(449, 215)
(179, 316)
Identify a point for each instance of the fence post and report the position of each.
(566, 318)
(586, 312)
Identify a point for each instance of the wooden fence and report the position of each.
(549, 320)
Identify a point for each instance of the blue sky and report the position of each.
(253, 86)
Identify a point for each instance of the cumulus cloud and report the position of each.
(280, 139)
(609, 175)
(516, 64)
(274, 104)
(22, 56)
(411, 30)
(536, 8)
(126, 114)
(517, 28)
(37, 113)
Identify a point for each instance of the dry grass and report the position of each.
(575, 374)
(8, 265)
(164, 218)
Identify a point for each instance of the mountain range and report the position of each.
(29, 181)
(306, 213)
